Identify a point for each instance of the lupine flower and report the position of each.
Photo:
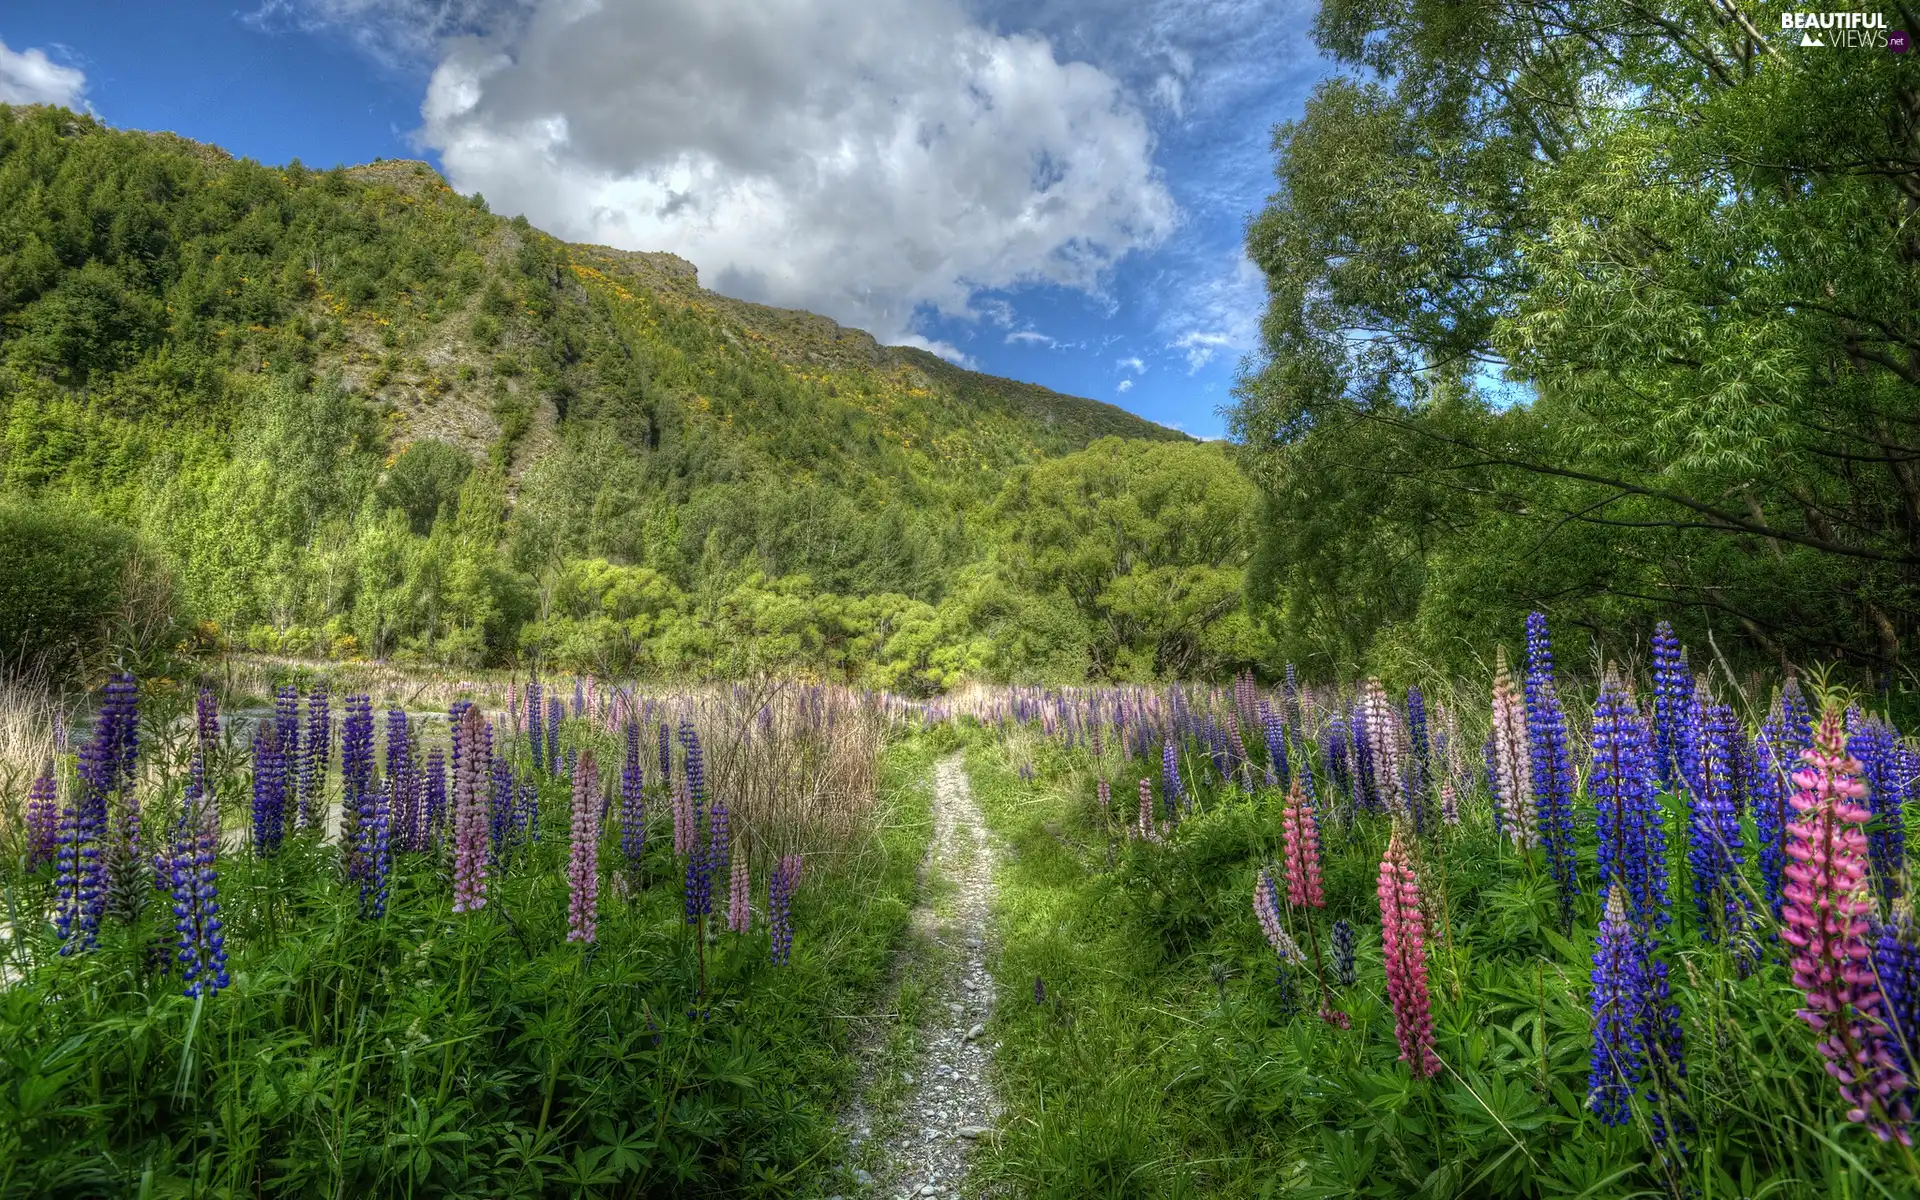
(1713, 828)
(1105, 795)
(555, 714)
(536, 743)
(503, 805)
(357, 798)
(376, 853)
(719, 841)
(316, 754)
(579, 699)
(469, 816)
(1384, 754)
(698, 888)
(526, 822)
(780, 889)
(286, 724)
(1510, 765)
(739, 917)
(1290, 698)
(583, 862)
(1774, 754)
(1672, 691)
(436, 793)
(1333, 747)
(1366, 796)
(269, 789)
(1449, 804)
(1419, 759)
(1279, 771)
(109, 772)
(1343, 953)
(43, 820)
(685, 827)
(1627, 810)
(666, 755)
(1266, 910)
(1403, 936)
(1880, 763)
(633, 803)
(84, 874)
(1172, 791)
(696, 764)
(193, 878)
(1825, 922)
(1619, 995)
(1302, 841)
(1145, 813)
(399, 756)
(1552, 768)
(1896, 966)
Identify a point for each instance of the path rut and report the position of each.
(949, 1102)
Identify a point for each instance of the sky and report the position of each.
(1051, 190)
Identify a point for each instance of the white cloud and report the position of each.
(30, 77)
(1132, 364)
(1125, 385)
(1220, 312)
(946, 350)
(1031, 337)
(879, 161)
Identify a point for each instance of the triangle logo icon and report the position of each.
(1807, 39)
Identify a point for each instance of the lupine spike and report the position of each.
(469, 816)
(1551, 766)
(583, 862)
(1509, 762)
(1302, 841)
(1403, 936)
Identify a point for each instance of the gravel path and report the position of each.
(949, 1101)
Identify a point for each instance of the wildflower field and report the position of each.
(1534, 935)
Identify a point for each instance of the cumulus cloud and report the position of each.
(30, 77)
(1133, 364)
(1221, 312)
(1125, 385)
(879, 161)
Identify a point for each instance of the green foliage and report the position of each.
(63, 578)
(1615, 325)
(424, 482)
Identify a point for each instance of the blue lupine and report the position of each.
(1619, 1063)
(1896, 964)
(1881, 762)
(436, 784)
(1713, 828)
(1366, 797)
(269, 788)
(1279, 772)
(502, 800)
(1552, 767)
(719, 843)
(1171, 788)
(81, 879)
(1333, 747)
(1774, 759)
(697, 890)
(192, 870)
(780, 889)
(536, 742)
(1672, 691)
(1490, 765)
(1343, 953)
(316, 754)
(376, 852)
(1627, 808)
(359, 804)
(1796, 717)
(666, 757)
(555, 714)
(399, 753)
(633, 803)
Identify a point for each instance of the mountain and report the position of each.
(357, 410)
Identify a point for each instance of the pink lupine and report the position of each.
(1403, 937)
(1449, 805)
(583, 861)
(1384, 747)
(1302, 843)
(739, 916)
(1824, 919)
(1106, 801)
(470, 815)
(1512, 764)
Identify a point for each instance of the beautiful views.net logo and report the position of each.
(1848, 30)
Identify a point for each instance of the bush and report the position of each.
(63, 579)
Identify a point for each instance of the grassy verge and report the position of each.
(426, 1054)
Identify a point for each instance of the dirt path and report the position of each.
(947, 1102)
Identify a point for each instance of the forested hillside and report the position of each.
(353, 413)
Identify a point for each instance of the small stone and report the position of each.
(931, 1189)
(976, 1032)
(862, 1178)
(970, 1132)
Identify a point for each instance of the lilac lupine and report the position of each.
(583, 859)
(316, 753)
(780, 889)
(536, 743)
(1171, 789)
(192, 868)
(739, 915)
(359, 805)
(1509, 760)
(1627, 808)
(117, 739)
(269, 789)
(1672, 691)
(469, 816)
(43, 820)
(555, 714)
(579, 698)
(1551, 766)
(1713, 828)
(1880, 762)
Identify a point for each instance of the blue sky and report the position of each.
(1052, 190)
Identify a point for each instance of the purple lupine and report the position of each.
(1551, 766)
(1333, 748)
(269, 789)
(1627, 809)
(555, 714)
(502, 803)
(358, 804)
(1344, 970)
(1171, 788)
(739, 916)
(696, 766)
(399, 752)
(579, 698)
(117, 736)
(1713, 828)
(1880, 762)
(1360, 735)
(469, 816)
(1672, 691)
(83, 878)
(719, 841)
(1419, 759)
(316, 753)
(633, 803)
(192, 867)
(1279, 772)
(1290, 699)
(526, 822)
(43, 820)
(286, 723)
(1636, 1032)
(780, 889)
(666, 756)
(436, 794)
(1774, 754)
(1896, 964)
(536, 743)
(699, 882)
(376, 852)
(583, 856)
